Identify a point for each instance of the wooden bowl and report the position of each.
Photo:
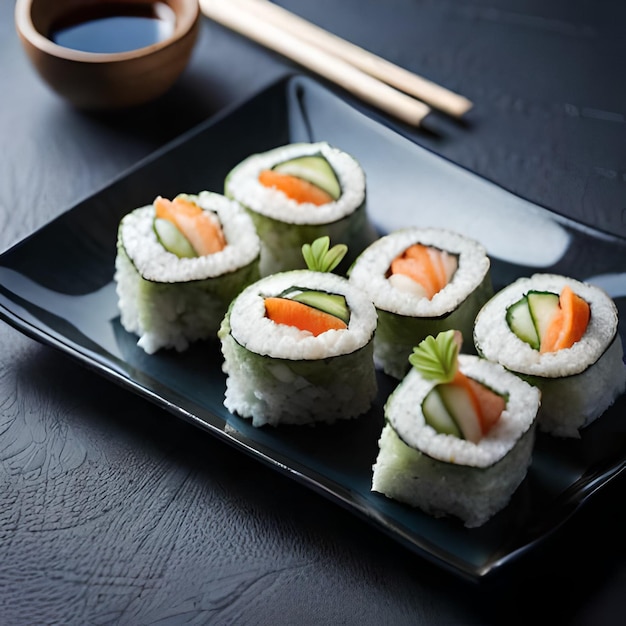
(106, 80)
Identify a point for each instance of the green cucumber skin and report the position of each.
(529, 317)
(521, 323)
(333, 304)
(457, 403)
(172, 239)
(542, 306)
(315, 169)
(437, 415)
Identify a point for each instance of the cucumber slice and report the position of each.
(459, 405)
(172, 239)
(521, 323)
(314, 169)
(542, 306)
(437, 416)
(332, 303)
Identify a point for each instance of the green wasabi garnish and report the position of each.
(435, 358)
(319, 257)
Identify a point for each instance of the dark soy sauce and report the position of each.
(114, 27)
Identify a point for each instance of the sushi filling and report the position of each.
(422, 270)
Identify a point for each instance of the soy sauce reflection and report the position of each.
(114, 27)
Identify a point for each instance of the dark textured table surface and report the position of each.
(114, 512)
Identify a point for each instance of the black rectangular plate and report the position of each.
(57, 287)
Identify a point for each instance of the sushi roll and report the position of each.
(297, 193)
(297, 349)
(561, 335)
(178, 266)
(422, 281)
(458, 435)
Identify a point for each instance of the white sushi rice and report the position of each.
(579, 383)
(443, 474)
(406, 417)
(405, 318)
(157, 264)
(278, 374)
(243, 185)
(369, 273)
(170, 302)
(498, 343)
(252, 329)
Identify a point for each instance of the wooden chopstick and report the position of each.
(232, 14)
(433, 94)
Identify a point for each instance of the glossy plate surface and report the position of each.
(56, 286)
